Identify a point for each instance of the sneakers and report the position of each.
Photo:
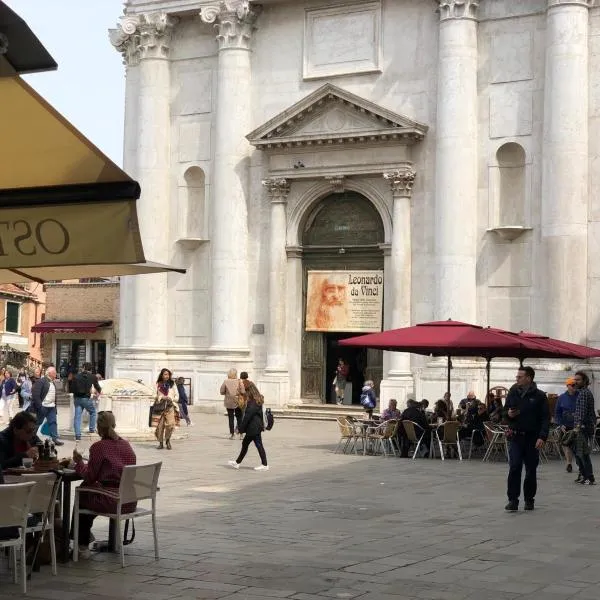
(529, 505)
(262, 468)
(569, 468)
(588, 482)
(84, 553)
(58, 442)
(233, 464)
(512, 507)
(579, 478)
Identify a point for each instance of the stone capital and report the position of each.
(155, 35)
(458, 9)
(234, 22)
(126, 39)
(557, 3)
(278, 189)
(143, 36)
(401, 182)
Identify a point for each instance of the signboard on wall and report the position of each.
(344, 301)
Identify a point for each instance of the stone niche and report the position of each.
(342, 40)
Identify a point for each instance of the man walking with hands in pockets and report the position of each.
(529, 418)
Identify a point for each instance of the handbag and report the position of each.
(159, 407)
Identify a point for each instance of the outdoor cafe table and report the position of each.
(69, 476)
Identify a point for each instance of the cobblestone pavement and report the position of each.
(320, 525)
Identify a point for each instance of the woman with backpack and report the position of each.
(368, 399)
(252, 425)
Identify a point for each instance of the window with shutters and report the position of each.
(12, 320)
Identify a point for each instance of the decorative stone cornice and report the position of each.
(401, 182)
(278, 189)
(234, 21)
(337, 182)
(143, 36)
(126, 39)
(584, 3)
(458, 9)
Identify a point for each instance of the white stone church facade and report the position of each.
(451, 144)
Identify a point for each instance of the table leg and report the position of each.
(66, 521)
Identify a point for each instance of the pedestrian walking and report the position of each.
(585, 424)
(252, 425)
(166, 404)
(81, 387)
(183, 401)
(43, 396)
(528, 418)
(564, 415)
(233, 392)
(10, 396)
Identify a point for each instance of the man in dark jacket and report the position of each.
(585, 425)
(18, 441)
(528, 418)
(413, 412)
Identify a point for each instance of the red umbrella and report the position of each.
(453, 338)
(577, 350)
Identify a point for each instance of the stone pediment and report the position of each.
(331, 115)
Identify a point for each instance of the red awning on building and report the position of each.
(70, 326)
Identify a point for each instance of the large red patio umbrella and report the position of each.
(578, 350)
(454, 338)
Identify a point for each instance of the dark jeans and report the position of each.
(49, 413)
(231, 412)
(522, 451)
(259, 446)
(584, 461)
(183, 410)
(85, 528)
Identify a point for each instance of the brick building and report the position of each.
(21, 306)
(80, 324)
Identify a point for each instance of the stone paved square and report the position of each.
(320, 525)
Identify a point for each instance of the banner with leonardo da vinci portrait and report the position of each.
(341, 301)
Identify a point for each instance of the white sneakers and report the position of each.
(236, 465)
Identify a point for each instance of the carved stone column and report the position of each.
(398, 378)
(565, 177)
(278, 190)
(144, 42)
(456, 162)
(234, 22)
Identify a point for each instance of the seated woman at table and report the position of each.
(19, 440)
(495, 409)
(477, 415)
(391, 412)
(440, 411)
(103, 471)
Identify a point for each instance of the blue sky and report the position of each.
(89, 86)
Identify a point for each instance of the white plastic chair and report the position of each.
(138, 482)
(15, 500)
(43, 501)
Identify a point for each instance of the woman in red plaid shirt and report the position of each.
(103, 470)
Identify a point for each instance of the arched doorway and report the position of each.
(343, 232)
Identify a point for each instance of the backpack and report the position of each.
(366, 400)
(268, 419)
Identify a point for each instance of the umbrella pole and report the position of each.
(449, 369)
(488, 368)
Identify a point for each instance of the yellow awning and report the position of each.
(63, 203)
